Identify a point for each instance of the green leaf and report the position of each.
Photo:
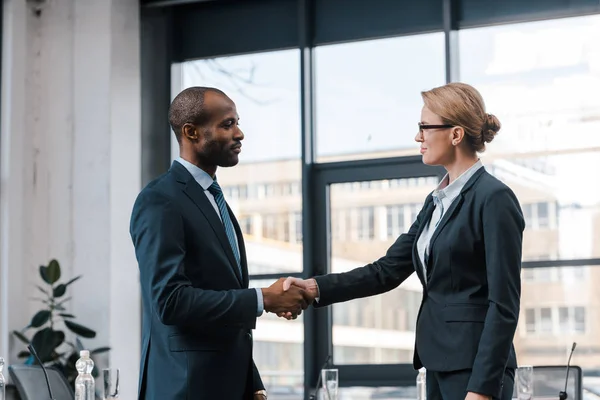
(72, 280)
(60, 303)
(100, 350)
(80, 329)
(79, 345)
(46, 341)
(44, 274)
(59, 307)
(53, 272)
(23, 354)
(42, 289)
(65, 315)
(21, 337)
(60, 290)
(40, 318)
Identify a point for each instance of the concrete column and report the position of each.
(70, 167)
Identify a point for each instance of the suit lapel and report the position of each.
(195, 192)
(454, 208)
(418, 265)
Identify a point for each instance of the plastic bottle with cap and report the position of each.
(2, 381)
(84, 383)
(421, 384)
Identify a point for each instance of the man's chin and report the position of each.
(230, 162)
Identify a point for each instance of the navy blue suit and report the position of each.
(471, 297)
(198, 313)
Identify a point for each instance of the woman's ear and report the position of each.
(458, 134)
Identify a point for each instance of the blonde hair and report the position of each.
(462, 105)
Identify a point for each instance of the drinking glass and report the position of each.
(329, 379)
(111, 383)
(524, 385)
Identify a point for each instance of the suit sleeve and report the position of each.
(503, 227)
(157, 232)
(257, 381)
(378, 277)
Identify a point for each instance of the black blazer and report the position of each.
(198, 312)
(471, 300)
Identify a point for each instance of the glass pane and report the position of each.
(279, 353)
(264, 189)
(367, 217)
(539, 79)
(368, 95)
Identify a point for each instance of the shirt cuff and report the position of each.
(259, 302)
(318, 292)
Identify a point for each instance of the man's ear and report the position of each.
(190, 132)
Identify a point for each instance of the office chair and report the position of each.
(31, 383)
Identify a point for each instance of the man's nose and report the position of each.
(239, 134)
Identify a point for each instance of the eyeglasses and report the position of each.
(424, 126)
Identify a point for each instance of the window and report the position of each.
(530, 319)
(537, 77)
(263, 190)
(545, 320)
(265, 88)
(378, 329)
(246, 225)
(269, 226)
(532, 154)
(395, 221)
(366, 223)
(385, 72)
(555, 321)
(543, 215)
(297, 217)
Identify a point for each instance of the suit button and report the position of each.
(249, 335)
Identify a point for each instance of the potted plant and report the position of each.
(45, 329)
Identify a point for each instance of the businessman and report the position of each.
(198, 312)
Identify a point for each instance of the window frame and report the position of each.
(304, 24)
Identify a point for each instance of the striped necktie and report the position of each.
(216, 191)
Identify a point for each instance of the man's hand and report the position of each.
(477, 396)
(277, 300)
(260, 395)
(311, 292)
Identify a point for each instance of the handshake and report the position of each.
(287, 297)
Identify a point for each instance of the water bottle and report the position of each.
(421, 386)
(84, 383)
(2, 381)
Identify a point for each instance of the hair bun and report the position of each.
(490, 128)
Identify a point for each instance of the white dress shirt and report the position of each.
(443, 196)
(205, 181)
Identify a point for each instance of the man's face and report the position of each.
(220, 140)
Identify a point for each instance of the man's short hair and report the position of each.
(188, 108)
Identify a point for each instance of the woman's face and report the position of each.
(436, 142)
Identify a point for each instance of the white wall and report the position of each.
(70, 167)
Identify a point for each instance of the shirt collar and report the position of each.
(203, 179)
(454, 188)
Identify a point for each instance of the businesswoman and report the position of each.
(465, 247)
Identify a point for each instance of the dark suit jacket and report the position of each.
(471, 301)
(198, 312)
